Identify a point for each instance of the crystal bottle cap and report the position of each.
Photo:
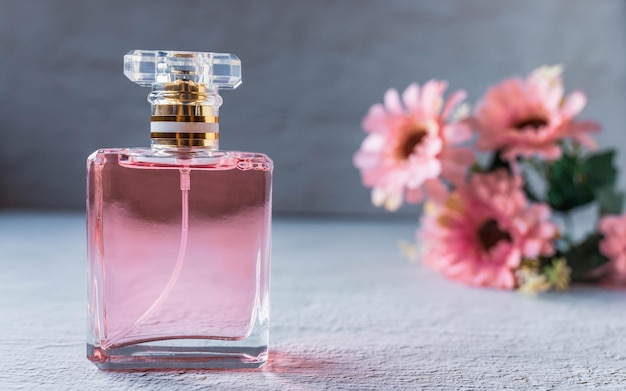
(149, 67)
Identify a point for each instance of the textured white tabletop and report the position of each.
(348, 312)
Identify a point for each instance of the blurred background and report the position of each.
(311, 70)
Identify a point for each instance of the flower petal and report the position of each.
(457, 133)
(411, 97)
(453, 101)
(431, 97)
(573, 105)
(436, 191)
(414, 196)
(376, 119)
(392, 102)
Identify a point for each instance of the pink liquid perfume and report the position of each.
(179, 234)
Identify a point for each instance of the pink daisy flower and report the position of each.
(613, 246)
(529, 117)
(483, 231)
(409, 145)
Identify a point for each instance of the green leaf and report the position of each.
(566, 189)
(475, 169)
(584, 257)
(574, 182)
(598, 170)
(497, 163)
(610, 201)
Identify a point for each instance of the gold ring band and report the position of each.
(185, 118)
(175, 139)
(183, 143)
(186, 136)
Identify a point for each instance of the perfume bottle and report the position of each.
(179, 233)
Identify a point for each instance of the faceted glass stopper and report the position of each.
(149, 67)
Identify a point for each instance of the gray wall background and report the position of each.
(311, 70)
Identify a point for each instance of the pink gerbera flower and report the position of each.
(484, 230)
(409, 145)
(613, 246)
(529, 117)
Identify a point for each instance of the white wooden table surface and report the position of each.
(348, 312)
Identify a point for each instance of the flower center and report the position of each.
(490, 234)
(405, 147)
(531, 122)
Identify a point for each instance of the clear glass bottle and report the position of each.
(179, 234)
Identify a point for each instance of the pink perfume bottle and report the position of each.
(179, 234)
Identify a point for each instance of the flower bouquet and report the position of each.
(499, 214)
